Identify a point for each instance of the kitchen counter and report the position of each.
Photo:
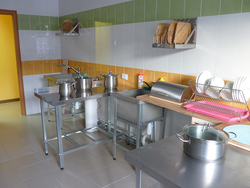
(166, 162)
(178, 107)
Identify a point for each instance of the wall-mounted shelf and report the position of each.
(69, 27)
(168, 36)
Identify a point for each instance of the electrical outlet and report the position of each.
(124, 76)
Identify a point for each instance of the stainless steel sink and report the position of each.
(57, 77)
(127, 106)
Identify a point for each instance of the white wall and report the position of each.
(65, 6)
(33, 7)
(222, 47)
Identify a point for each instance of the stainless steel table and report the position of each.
(166, 162)
(51, 96)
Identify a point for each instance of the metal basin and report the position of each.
(127, 106)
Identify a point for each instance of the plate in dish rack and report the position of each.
(201, 81)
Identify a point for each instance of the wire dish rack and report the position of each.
(223, 103)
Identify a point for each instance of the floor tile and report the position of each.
(33, 171)
(6, 167)
(18, 152)
(99, 149)
(54, 165)
(159, 185)
(123, 168)
(146, 180)
(82, 182)
(9, 137)
(123, 183)
(91, 165)
(43, 182)
(68, 174)
(3, 156)
(78, 156)
(107, 158)
(105, 177)
(25, 161)
(20, 185)
(13, 144)
(10, 179)
(39, 146)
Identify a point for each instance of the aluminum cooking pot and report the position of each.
(110, 80)
(204, 142)
(66, 88)
(83, 83)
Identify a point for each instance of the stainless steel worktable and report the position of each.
(166, 162)
(51, 96)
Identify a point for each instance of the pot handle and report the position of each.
(181, 138)
(235, 135)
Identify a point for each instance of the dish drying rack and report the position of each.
(229, 110)
(189, 43)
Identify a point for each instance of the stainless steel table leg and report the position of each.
(163, 123)
(44, 127)
(109, 114)
(115, 126)
(138, 178)
(139, 125)
(59, 134)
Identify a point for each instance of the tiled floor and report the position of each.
(23, 163)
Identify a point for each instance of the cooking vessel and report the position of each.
(110, 80)
(65, 88)
(83, 83)
(204, 142)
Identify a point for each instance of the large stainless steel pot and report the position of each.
(204, 142)
(110, 80)
(83, 83)
(66, 88)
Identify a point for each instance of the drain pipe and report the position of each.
(148, 133)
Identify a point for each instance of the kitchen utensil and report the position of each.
(204, 142)
(214, 86)
(227, 113)
(244, 91)
(161, 32)
(171, 31)
(110, 80)
(170, 91)
(66, 87)
(226, 92)
(66, 26)
(201, 81)
(182, 31)
(83, 83)
(242, 132)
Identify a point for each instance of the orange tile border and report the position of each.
(38, 67)
(47, 66)
(28, 67)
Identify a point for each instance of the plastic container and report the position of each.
(140, 80)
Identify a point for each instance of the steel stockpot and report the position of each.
(110, 80)
(66, 88)
(83, 83)
(204, 142)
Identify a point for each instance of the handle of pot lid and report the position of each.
(181, 138)
(235, 135)
(57, 83)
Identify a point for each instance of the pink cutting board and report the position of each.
(217, 114)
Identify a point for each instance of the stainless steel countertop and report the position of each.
(51, 95)
(166, 162)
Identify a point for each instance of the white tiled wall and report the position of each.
(222, 47)
(39, 45)
(33, 7)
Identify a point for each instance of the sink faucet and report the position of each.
(78, 72)
(69, 67)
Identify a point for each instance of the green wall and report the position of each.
(138, 11)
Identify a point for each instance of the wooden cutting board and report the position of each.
(64, 69)
(66, 26)
(182, 32)
(161, 31)
(171, 31)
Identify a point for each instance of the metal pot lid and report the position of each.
(205, 132)
(110, 74)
